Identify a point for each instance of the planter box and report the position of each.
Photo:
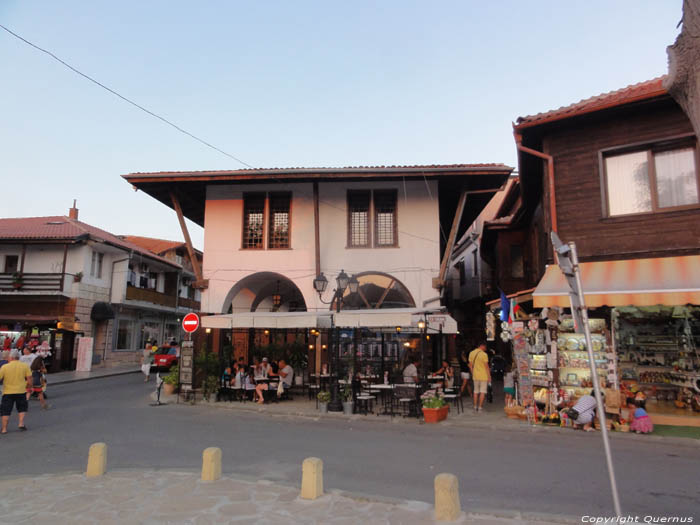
(434, 415)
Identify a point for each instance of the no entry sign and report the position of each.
(190, 323)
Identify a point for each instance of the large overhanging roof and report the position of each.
(190, 186)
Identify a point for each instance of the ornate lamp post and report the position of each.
(343, 282)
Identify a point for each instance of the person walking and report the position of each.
(146, 359)
(464, 373)
(479, 367)
(38, 369)
(16, 377)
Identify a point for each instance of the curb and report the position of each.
(78, 379)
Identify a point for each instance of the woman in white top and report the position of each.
(449, 374)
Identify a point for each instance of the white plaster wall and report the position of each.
(414, 262)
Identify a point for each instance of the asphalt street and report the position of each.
(557, 473)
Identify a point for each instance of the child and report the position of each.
(509, 386)
(642, 422)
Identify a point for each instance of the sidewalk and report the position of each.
(71, 376)
(492, 418)
(164, 496)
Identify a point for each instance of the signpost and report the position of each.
(568, 263)
(190, 323)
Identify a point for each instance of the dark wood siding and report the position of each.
(575, 148)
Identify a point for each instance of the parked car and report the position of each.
(164, 358)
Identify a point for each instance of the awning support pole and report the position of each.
(201, 284)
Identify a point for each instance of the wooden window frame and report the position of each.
(350, 194)
(375, 227)
(268, 198)
(5, 270)
(266, 195)
(672, 143)
(250, 195)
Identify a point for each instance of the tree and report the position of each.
(683, 80)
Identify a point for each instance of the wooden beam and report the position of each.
(384, 294)
(21, 262)
(63, 267)
(317, 235)
(451, 239)
(362, 296)
(188, 242)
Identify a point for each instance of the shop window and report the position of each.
(125, 334)
(651, 180)
(11, 263)
(150, 332)
(278, 225)
(253, 220)
(517, 264)
(96, 264)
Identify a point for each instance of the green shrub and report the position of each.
(323, 396)
(173, 376)
(434, 402)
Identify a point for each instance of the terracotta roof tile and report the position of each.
(60, 227)
(158, 246)
(634, 93)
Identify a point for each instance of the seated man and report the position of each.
(286, 374)
(410, 373)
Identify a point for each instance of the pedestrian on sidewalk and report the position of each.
(38, 370)
(479, 368)
(464, 373)
(16, 377)
(146, 359)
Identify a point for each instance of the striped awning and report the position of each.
(666, 281)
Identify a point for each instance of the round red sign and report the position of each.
(190, 323)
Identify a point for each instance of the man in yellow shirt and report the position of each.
(481, 374)
(17, 378)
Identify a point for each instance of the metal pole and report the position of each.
(594, 375)
(335, 404)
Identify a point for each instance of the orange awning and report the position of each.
(668, 281)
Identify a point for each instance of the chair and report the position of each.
(455, 399)
(365, 401)
(407, 398)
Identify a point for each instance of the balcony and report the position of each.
(183, 302)
(31, 282)
(150, 296)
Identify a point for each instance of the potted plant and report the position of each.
(78, 277)
(17, 280)
(298, 355)
(209, 386)
(346, 396)
(434, 409)
(171, 380)
(323, 399)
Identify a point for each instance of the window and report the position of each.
(651, 180)
(358, 218)
(253, 220)
(462, 273)
(96, 265)
(377, 290)
(273, 207)
(11, 263)
(125, 334)
(380, 206)
(278, 225)
(385, 218)
(517, 265)
(475, 263)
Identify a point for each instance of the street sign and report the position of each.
(190, 323)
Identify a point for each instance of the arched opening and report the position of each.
(264, 292)
(377, 290)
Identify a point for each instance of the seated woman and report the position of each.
(641, 423)
(449, 374)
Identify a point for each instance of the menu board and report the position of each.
(186, 364)
(84, 363)
(522, 359)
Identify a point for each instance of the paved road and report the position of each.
(533, 472)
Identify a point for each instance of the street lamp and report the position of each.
(343, 282)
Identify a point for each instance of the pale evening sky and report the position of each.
(282, 84)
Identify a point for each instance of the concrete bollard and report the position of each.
(447, 507)
(97, 460)
(312, 478)
(211, 464)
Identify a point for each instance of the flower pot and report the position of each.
(347, 408)
(323, 407)
(434, 415)
(16, 286)
(168, 389)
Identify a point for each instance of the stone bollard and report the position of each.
(211, 464)
(312, 478)
(97, 460)
(447, 507)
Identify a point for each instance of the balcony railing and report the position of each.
(149, 296)
(31, 282)
(189, 303)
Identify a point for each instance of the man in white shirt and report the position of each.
(410, 373)
(27, 356)
(286, 373)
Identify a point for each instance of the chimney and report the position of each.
(73, 212)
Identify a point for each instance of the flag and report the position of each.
(505, 306)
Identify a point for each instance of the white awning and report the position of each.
(406, 318)
(268, 320)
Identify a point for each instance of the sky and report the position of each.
(290, 84)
